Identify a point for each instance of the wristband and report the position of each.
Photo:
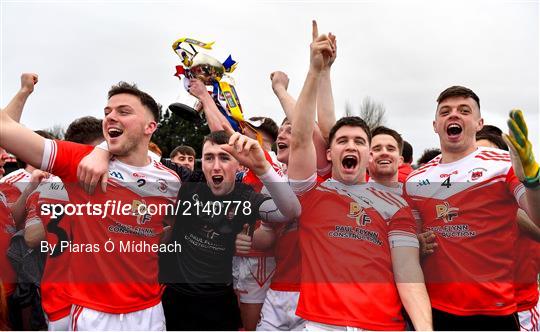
(532, 182)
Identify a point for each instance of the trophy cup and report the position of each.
(213, 74)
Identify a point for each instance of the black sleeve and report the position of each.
(255, 198)
(183, 172)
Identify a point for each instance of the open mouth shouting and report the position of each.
(453, 131)
(217, 179)
(350, 163)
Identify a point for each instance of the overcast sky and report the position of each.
(402, 54)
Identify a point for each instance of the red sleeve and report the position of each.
(251, 179)
(514, 185)
(61, 158)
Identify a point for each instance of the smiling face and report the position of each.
(349, 154)
(127, 125)
(456, 122)
(385, 158)
(219, 168)
(283, 142)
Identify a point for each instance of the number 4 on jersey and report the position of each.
(446, 183)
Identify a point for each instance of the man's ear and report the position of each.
(150, 128)
(400, 161)
(328, 155)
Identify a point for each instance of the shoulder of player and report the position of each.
(386, 198)
(424, 168)
(492, 154)
(15, 176)
(159, 166)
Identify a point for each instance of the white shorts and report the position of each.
(252, 277)
(61, 324)
(279, 312)
(85, 319)
(529, 320)
(314, 326)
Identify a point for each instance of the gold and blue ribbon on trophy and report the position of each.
(212, 72)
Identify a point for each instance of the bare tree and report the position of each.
(57, 130)
(370, 111)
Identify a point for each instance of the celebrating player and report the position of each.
(110, 290)
(354, 238)
(468, 197)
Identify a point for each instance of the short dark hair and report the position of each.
(217, 137)
(458, 91)
(350, 121)
(145, 98)
(492, 134)
(183, 149)
(407, 152)
(267, 126)
(45, 134)
(85, 130)
(382, 130)
(428, 155)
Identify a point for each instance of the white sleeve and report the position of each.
(302, 186)
(284, 204)
(49, 155)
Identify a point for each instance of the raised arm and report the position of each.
(216, 120)
(284, 205)
(280, 84)
(303, 160)
(23, 142)
(326, 116)
(525, 166)
(16, 105)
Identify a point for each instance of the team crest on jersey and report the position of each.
(138, 208)
(357, 212)
(477, 173)
(446, 212)
(162, 185)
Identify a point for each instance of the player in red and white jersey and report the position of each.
(353, 237)
(253, 270)
(278, 310)
(52, 229)
(7, 229)
(527, 249)
(14, 183)
(468, 197)
(526, 270)
(121, 288)
(56, 228)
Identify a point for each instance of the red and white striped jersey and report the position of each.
(13, 184)
(53, 285)
(346, 236)
(470, 205)
(113, 281)
(7, 229)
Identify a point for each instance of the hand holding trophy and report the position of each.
(212, 73)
